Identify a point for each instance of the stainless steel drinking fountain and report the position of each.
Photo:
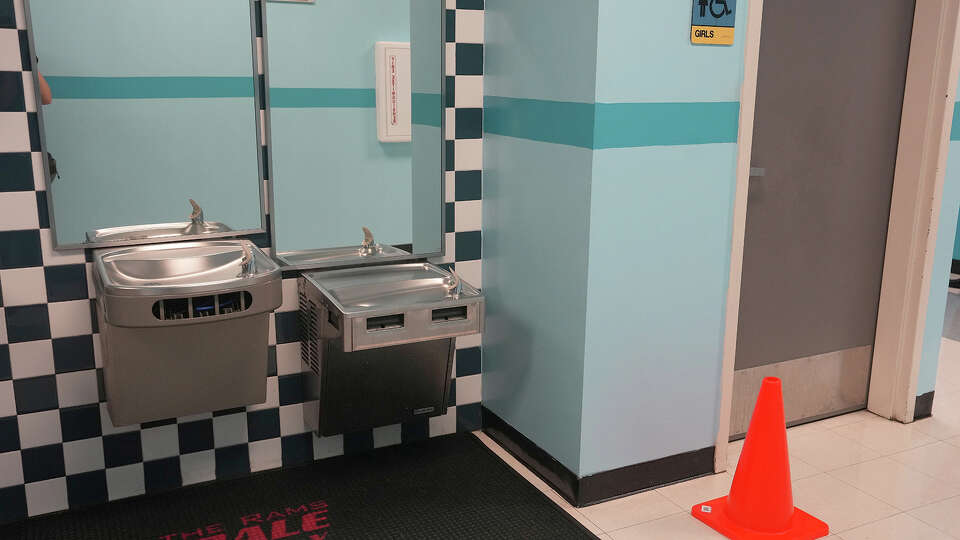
(184, 327)
(378, 343)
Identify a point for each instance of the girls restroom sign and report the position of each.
(713, 22)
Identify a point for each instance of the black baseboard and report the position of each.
(643, 476)
(535, 458)
(924, 405)
(601, 486)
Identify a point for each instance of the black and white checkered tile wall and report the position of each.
(58, 447)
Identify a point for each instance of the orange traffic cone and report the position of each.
(760, 504)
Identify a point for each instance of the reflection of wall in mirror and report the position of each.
(332, 176)
(426, 32)
(167, 116)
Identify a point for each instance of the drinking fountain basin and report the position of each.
(184, 327)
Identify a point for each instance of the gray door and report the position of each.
(829, 97)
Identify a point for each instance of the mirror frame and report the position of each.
(358, 260)
(258, 98)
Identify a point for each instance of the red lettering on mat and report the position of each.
(252, 518)
(298, 510)
(312, 522)
(251, 533)
(279, 530)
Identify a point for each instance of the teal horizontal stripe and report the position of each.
(310, 98)
(427, 109)
(955, 127)
(558, 122)
(630, 125)
(612, 125)
(149, 87)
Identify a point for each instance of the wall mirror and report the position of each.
(154, 104)
(356, 130)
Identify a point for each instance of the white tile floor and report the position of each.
(867, 477)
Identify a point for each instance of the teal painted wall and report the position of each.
(326, 156)
(194, 136)
(536, 204)
(651, 151)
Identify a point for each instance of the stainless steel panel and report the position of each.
(813, 387)
(157, 373)
(418, 326)
(412, 291)
(408, 381)
(137, 311)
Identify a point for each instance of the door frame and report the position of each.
(931, 85)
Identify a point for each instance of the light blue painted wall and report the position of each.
(943, 255)
(541, 49)
(168, 38)
(327, 160)
(655, 310)
(536, 204)
(658, 131)
(660, 227)
(536, 223)
(645, 55)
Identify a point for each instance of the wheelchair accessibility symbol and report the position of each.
(713, 22)
(718, 8)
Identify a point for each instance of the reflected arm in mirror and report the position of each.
(46, 96)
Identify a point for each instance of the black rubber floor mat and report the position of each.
(443, 488)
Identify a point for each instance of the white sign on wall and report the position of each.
(394, 108)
